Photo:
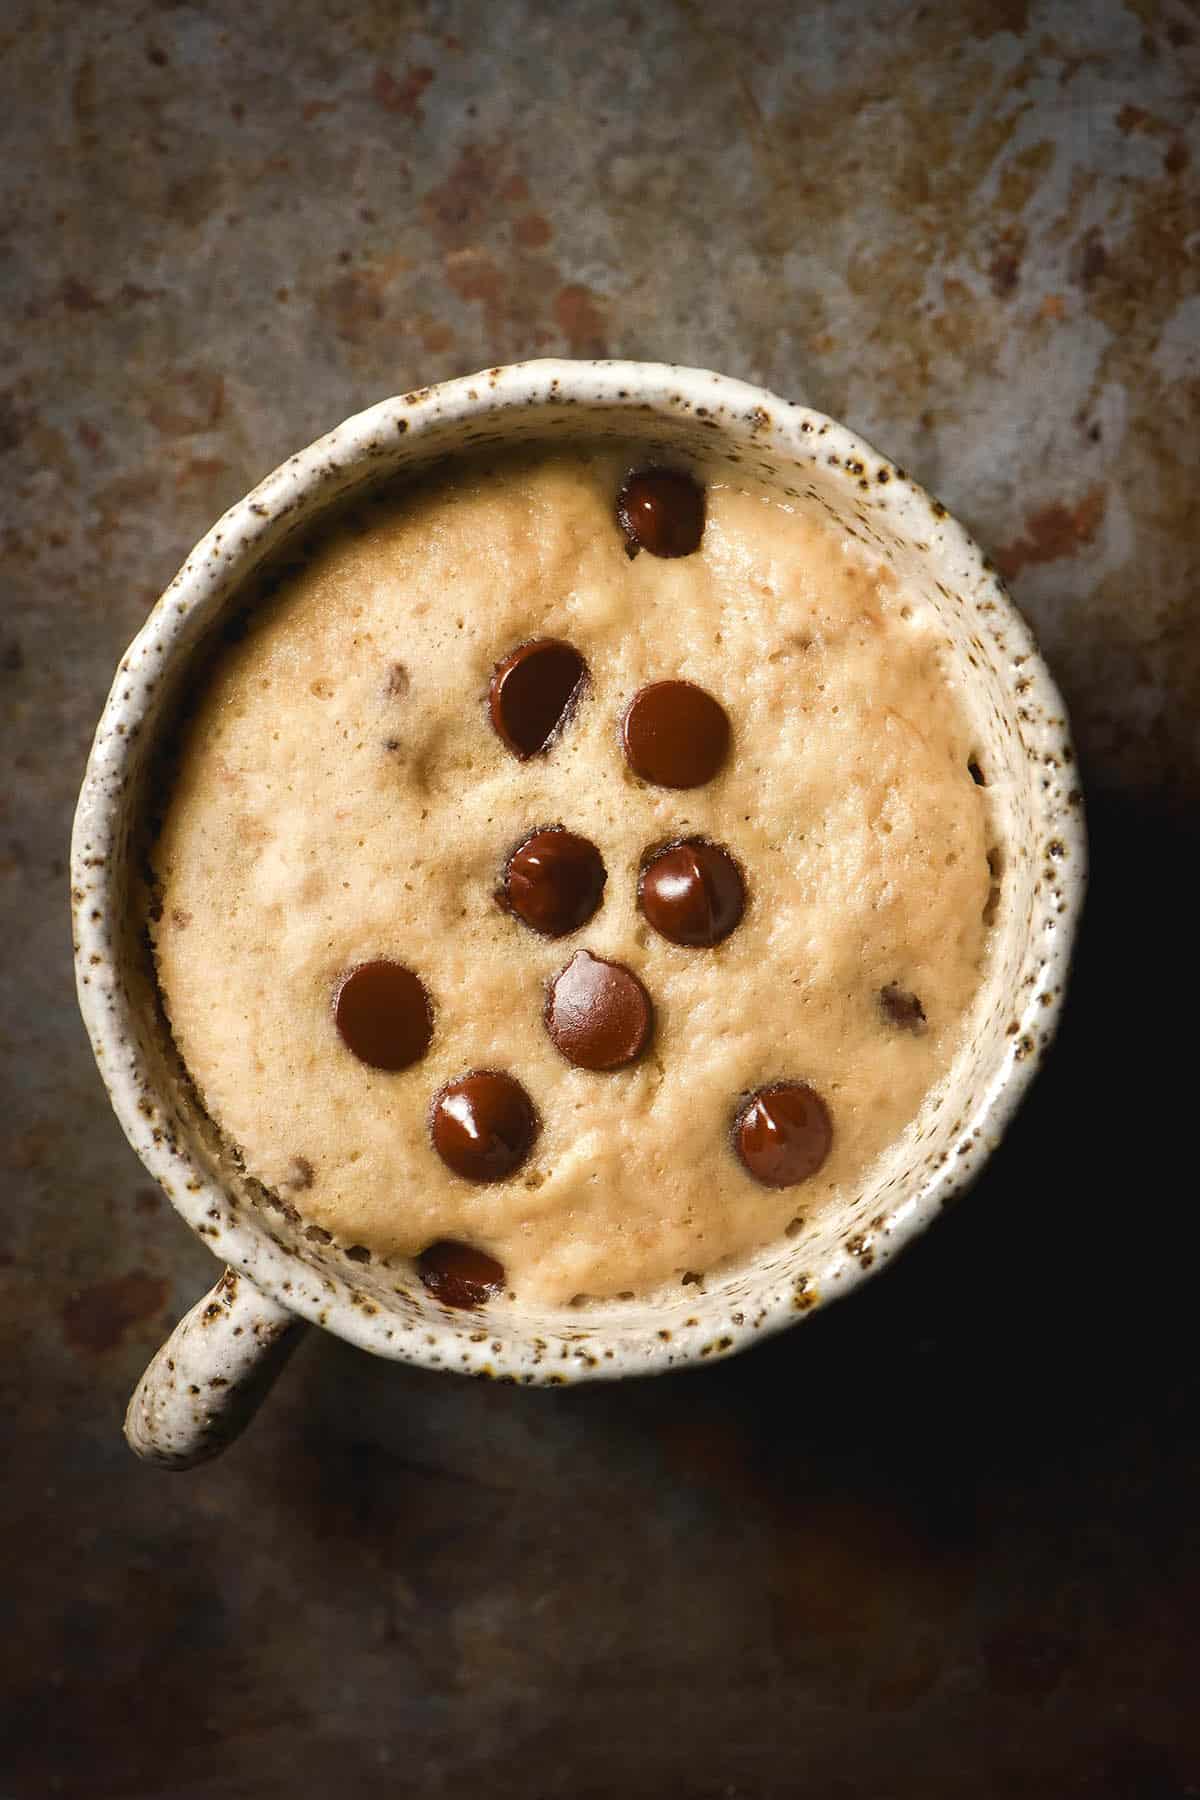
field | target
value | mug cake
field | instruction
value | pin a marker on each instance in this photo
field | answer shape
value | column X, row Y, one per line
column 574, row 876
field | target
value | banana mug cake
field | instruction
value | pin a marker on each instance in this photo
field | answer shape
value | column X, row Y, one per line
column 574, row 877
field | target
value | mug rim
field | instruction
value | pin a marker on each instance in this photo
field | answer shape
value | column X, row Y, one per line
column 317, row 478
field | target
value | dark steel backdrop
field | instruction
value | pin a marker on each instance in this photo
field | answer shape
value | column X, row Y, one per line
column 940, row 1542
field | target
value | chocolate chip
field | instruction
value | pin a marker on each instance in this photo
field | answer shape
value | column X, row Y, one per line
column 483, row 1125
column 902, row 1008
column 553, row 881
column 459, row 1275
column 662, row 511
column 383, row 1014
column 533, row 692
column 783, row 1133
column 675, row 734
column 598, row 1013
column 692, row 893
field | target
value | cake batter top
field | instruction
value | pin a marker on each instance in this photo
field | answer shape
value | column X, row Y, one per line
column 570, row 878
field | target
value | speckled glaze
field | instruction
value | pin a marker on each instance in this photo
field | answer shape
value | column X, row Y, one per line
column 1037, row 826
column 206, row 1381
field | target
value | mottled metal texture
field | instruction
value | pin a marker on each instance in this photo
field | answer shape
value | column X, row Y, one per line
column 906, row 1550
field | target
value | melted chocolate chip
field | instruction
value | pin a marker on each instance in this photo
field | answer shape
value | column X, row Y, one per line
column 553, row 881
column 598, row 1013
column 675, row 734
column 662, row 511
column 533, row 692
column 902, row 1008
column 458, row 1275
column 383, row 1015
column 783, row 1134
column 692, row 893
column 483, row 1125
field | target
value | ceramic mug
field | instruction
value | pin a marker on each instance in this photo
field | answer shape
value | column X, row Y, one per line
column 206, row 1380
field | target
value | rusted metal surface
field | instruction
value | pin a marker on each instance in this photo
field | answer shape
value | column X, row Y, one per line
column 909, row 1550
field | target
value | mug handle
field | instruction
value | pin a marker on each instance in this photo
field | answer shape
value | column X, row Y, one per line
column 211, row 1375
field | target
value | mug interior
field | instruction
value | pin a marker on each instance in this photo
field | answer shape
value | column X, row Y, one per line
column 1022, row 756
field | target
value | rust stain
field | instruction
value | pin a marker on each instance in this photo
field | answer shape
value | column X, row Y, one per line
column 1021, row 174
column 14, row 419
column 120, row 500
column 435, row 337
column 1149, row 273
column 354, row 302
column 532, row 231
column 1148, row 629
column 132, row 293
column 1080, row 188
column 98, row 1318
column 511, row 278
column 784, row 193
column 200, row 468
column 1177, row 157
column 83, row 92
column 401, row 96
column 31, row 1148
column 1004, row 271
column 1053, row 531
column 195, row 403
column 958, row 325
column 193, row 197
column 473, row 275
column 1135, row 118
column 76, row 296
column 49, row 448
column 458, row 209
column 580, row 320
column 312, row 109
column 1091, row 259
column 986, row 18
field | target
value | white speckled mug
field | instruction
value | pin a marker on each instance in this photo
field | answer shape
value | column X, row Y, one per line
column 206, row 1380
